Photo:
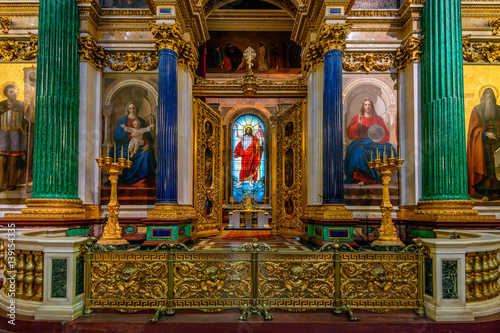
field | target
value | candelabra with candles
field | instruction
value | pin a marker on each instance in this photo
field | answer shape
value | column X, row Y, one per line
column 385, row 167
column 112, row 231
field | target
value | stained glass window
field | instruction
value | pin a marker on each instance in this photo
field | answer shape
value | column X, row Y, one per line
column 248, row 157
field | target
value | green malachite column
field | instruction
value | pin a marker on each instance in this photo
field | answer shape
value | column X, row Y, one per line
column 55, row 169
column 443, row 125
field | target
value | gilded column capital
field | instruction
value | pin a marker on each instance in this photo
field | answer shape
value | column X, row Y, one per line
column 15, row 50
column 168, row 36
column 187, row 58
column 480, row 52
column 91, row 51
column 495, row 23
column 313, row 58
column 5, row 22
column 333, row 36
column 409, row 52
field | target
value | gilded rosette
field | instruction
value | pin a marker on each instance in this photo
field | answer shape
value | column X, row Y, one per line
column 168, row 36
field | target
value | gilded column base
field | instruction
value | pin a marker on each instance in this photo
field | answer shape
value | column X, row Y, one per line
column 50, row 209
column 327, row 212
column 171, row 211
column 449, row 210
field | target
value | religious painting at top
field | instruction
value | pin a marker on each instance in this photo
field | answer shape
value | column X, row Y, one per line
column 130, row 106
column 370, row 123
column 17, row 117
column 248, row 158
column 376, row 4
column 275, row 52
column 119, row 4
column 482, row 122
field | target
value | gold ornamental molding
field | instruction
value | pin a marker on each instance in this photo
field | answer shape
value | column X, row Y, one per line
column 132, row 61
column 495, row 23
column 250, row 85
column 168, row 36
column 171, row 211
column 333, row 36
column 19, row 50
column 368, row 62
column 409, row 52
column 480, row 52
column 328, row 212
column 5, row 22
column 50, row 209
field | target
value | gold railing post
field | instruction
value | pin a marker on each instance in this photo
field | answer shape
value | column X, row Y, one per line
column 170, row 293
column 338, row 301
column 420, row 283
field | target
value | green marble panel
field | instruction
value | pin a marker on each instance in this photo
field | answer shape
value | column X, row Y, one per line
column 429, row 274
column 80, row 275
column 450, row 279
column 59, row 278
column 77, row 232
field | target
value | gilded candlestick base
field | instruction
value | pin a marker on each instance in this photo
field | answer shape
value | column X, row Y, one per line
column 111, row 234
column 387, row 232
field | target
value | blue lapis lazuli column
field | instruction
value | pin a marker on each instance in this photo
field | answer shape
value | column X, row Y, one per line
column 333, row 166
column 166, row 180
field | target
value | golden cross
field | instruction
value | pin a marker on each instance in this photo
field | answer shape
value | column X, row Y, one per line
column 249, row 55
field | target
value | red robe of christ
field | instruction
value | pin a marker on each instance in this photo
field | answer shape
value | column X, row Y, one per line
column 250, row 159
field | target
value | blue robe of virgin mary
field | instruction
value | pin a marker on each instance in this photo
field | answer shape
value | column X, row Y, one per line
column 143, row 164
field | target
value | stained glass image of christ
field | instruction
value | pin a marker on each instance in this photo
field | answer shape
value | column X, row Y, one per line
column 248, row 157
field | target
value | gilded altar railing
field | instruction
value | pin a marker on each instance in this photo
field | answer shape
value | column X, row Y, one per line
column 253, row 278
column 481, row 275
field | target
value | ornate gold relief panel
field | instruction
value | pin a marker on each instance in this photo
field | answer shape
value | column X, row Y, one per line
column 212, row 279
column 208, row 165
column 290, row 163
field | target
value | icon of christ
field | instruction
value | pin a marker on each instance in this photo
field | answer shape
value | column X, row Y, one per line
column 249, row 148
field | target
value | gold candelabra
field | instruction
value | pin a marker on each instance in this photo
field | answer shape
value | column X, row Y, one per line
column 385, row 167
column 112, row 231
